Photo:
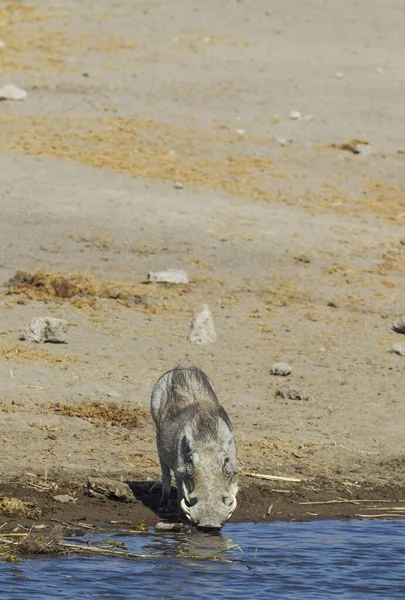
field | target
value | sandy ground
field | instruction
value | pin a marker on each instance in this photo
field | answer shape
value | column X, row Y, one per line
column 296, row 243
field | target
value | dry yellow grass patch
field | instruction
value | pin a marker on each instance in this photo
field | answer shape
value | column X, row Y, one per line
column 22, row 353
column 14, row 507
column 103, row 413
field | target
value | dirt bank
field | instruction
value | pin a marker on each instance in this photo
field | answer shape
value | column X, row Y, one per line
column 161, row 136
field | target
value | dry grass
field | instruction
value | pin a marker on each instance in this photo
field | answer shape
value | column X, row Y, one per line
column 31, row 47
column 83, row 290
column 103, row 413
column 22, row 353
column 14, row 507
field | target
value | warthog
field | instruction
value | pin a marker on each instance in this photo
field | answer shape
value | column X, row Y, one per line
column 195, row 440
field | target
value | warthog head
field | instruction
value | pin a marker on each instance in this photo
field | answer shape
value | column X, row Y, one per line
column 206, row 481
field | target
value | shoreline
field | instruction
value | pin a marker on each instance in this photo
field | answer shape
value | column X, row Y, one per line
column 257, row 503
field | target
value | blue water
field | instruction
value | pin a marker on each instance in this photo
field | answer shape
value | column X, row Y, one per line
column 349, row 560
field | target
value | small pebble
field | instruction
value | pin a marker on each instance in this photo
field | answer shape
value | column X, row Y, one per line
column 339, row 75
column 168, row 276
column 295, row 115
column 379, row 70
column 12, row 92
column 163, row 526
column 65, row 499
column 178, row 185
column 399, row 349
column 2, row 45
column 281, row 368
column 240, row 131
column 399, row 325
column 364, row 149
column 283, row 141
column 293, row 394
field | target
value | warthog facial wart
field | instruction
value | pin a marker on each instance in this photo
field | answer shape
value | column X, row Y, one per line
column 195, row 441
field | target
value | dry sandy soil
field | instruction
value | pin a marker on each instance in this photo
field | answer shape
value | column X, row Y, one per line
column 295, row 242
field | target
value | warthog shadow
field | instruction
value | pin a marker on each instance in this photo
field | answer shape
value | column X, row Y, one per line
column 149, row 493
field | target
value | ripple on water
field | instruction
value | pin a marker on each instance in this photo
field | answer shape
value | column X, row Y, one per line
column 349, row 560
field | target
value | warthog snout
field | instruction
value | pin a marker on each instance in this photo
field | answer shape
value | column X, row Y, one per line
column 207, row 488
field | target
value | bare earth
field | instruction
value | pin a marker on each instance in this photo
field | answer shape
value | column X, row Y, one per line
column 296, row 243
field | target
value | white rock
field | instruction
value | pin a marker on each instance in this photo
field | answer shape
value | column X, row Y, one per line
column 282, row 141
column 46, row 329
column 240, row 131
column 12, row 92
column 399, row 348
column 168, row 276
column 339, row 75
column 65, row 499
column 399, row 325
column 178, row 185
column 364, row 149
column 281, row 368
column 202, row 330
column 295, row 115
column 163, row 526
column 2, row 45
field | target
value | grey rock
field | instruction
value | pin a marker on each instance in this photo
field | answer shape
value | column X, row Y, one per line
column 281, row 368
column 65, row 499
column 163, row 526
column 399, row 325
column 202, row 329
column 102, row 487
column 12, row 92
column 295, row 115
column 46, row 329
column 399, row 348
column 293, row 394
column 178, row 185
column 168, row 276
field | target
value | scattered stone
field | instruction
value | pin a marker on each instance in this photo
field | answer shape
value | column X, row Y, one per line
column 202, row 330
column 293, row 394
column 399, row 325
column 399, row 349
column 65, row 499
column 379, row 70
column 12, row 92
column 178, row 185
column 339, row 75
column 163, row 526
column 295, row 115
column 168, row 276
column 281, row 368
column 2, row 45
column 240, row 131
column 46, row 329
column 283, row 141
column 101, row 487
column 113, row 394
column 356, row 147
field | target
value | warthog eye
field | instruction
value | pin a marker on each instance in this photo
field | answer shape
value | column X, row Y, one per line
column 227, row 468
column 190, row 468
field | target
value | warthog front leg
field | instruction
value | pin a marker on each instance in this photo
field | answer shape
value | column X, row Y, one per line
column 166, row 486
